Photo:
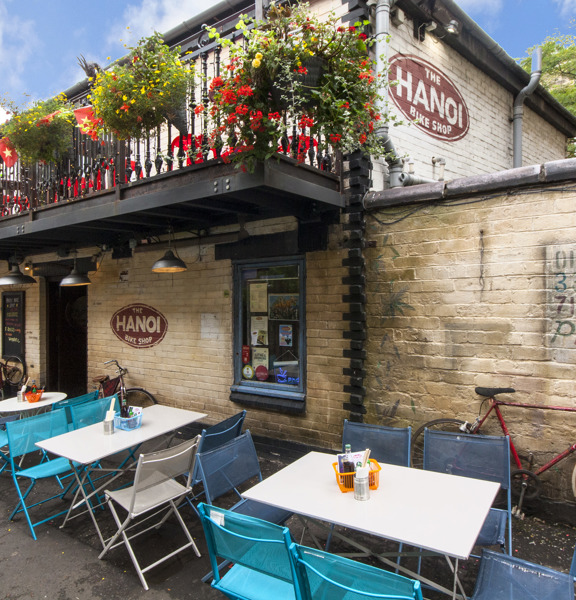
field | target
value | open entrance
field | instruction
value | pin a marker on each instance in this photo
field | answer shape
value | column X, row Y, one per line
column 67, row 339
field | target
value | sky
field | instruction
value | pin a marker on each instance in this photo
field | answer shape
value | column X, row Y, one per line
column 40, row 41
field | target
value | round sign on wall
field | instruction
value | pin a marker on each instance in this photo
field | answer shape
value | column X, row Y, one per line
column 428, row 97
column 139, row 325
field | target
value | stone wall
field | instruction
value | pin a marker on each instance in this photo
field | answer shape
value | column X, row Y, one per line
column 477, row 291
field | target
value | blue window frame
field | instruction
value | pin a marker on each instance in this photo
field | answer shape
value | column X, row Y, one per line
column 270, row 330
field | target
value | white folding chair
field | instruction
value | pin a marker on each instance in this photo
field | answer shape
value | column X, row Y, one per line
column 155, row 491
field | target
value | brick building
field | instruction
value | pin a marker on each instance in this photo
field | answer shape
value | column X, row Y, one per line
column 311, row 297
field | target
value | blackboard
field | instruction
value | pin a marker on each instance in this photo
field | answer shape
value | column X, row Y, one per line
column 13, row 324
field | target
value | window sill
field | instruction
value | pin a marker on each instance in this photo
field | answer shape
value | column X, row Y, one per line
column 273, row 400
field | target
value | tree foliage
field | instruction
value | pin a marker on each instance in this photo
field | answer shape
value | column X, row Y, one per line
column 558, row 72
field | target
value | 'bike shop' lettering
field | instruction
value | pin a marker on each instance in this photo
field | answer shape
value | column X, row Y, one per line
column 139, row 325
column 427, row 96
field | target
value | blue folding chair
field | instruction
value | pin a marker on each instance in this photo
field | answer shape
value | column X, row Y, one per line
column 503, row 577
column 321, row 575
column 390, row 445
column 219, row 434
column 4, row 440
column 88, row 413
column 258, row 551
column 68, row 403
column 484, row 457
column 22, row 437
column 226, row 468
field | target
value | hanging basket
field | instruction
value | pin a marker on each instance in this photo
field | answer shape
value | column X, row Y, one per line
column 304, row 84
column 177, row 118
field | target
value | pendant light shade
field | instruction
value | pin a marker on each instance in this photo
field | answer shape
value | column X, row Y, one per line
column 169, row 263
column 16, row 277
column 75, row 278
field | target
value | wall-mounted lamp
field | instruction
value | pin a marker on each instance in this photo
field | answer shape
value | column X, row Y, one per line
column 75, row 278
column 453, row 27
column 16, row 277
column 170, row 262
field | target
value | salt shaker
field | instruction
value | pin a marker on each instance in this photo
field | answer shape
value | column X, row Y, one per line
column 361, row 484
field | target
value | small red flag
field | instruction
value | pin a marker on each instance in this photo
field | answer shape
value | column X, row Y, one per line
column 47, row 119
column 8, row 152
column 87, row 121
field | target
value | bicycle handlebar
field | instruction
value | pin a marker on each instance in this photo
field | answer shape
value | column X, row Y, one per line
column 121, row 370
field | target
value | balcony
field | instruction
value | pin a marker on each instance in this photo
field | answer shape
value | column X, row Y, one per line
column 107, row 192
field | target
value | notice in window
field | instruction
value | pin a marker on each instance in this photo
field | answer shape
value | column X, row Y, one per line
column 259, row 298
column 259, row 331
column 260, row 357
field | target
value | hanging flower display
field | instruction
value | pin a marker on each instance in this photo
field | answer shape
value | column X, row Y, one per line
column 316, row 72
column 140, row 92
column 41, row 132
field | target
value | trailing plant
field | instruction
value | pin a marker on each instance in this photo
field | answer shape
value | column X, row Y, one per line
column 140, row 92
column 267, row 78
column 42, row 131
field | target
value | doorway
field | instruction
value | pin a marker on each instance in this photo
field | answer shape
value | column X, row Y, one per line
column 67, row 359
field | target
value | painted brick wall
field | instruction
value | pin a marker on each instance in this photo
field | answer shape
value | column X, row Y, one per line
column 471, row 293
column 487, row 147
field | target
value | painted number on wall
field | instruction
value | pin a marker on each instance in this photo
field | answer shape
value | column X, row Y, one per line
column 561, row 294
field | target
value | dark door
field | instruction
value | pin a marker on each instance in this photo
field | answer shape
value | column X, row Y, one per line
column 67, row 339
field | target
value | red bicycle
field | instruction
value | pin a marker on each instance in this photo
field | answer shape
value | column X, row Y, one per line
column 525, row 480
column 132, row 396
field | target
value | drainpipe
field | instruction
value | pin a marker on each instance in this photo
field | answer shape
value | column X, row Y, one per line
column 518, row 114
column 382, row 22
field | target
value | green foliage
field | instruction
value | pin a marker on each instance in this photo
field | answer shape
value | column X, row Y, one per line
column 558, row 71
column 267, row 76
column 41, row 131
column 139, row 94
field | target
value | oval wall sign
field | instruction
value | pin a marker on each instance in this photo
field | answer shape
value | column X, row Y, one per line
column 424, row 93
column 139, row 325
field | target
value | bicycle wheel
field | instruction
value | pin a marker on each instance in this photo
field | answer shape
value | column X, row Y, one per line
column 417, row 443
column 15, row 370
column 518, row 477
column 139, row 397
column 574, row 481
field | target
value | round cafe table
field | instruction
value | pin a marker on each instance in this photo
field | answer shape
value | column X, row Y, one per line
column 11, row 405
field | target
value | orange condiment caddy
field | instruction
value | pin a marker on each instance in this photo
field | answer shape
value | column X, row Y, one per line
column 345, row 481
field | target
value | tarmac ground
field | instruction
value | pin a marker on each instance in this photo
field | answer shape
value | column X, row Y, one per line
column 63, row 563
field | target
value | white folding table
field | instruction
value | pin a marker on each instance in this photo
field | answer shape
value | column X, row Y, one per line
column 11, row 405
column 88, row 445
column 434, row 511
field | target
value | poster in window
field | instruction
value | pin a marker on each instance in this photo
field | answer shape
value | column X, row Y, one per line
column 258, row 298
column 283, row 307
column 260, row 357
column 259, row 331
column 285, row 335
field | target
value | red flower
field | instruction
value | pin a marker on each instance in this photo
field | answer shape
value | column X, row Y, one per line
column 363, row 36
column 362, row 138
column 216, row 83
column 228, row 97
column 335, row 138
column 345, row 105
column 198, row 109
column 232, row 119
column 275, row 116
column 366, row 75
column 125, row 107
column 245, row 90
column 351, row 29
column 242, row 109
column 306, row 122
column 302, row 70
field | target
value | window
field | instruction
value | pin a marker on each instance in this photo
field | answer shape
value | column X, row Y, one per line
column 270, row 332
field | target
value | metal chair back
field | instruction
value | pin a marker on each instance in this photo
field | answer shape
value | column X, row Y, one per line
column 390, row 445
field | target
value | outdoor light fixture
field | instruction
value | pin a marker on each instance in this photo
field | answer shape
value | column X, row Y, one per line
column 16, row 277
column 75, row 278
column 453, row 27
column 170, row 262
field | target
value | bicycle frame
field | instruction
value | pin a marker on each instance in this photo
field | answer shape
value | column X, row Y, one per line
column 495, row 405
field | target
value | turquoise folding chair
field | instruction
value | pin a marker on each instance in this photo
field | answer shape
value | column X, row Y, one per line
column 88, row 413
column 503, row 577
column 22, row 437
column 4, row 441
column 258, row 551
column 321, row 575
column 68, row 403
